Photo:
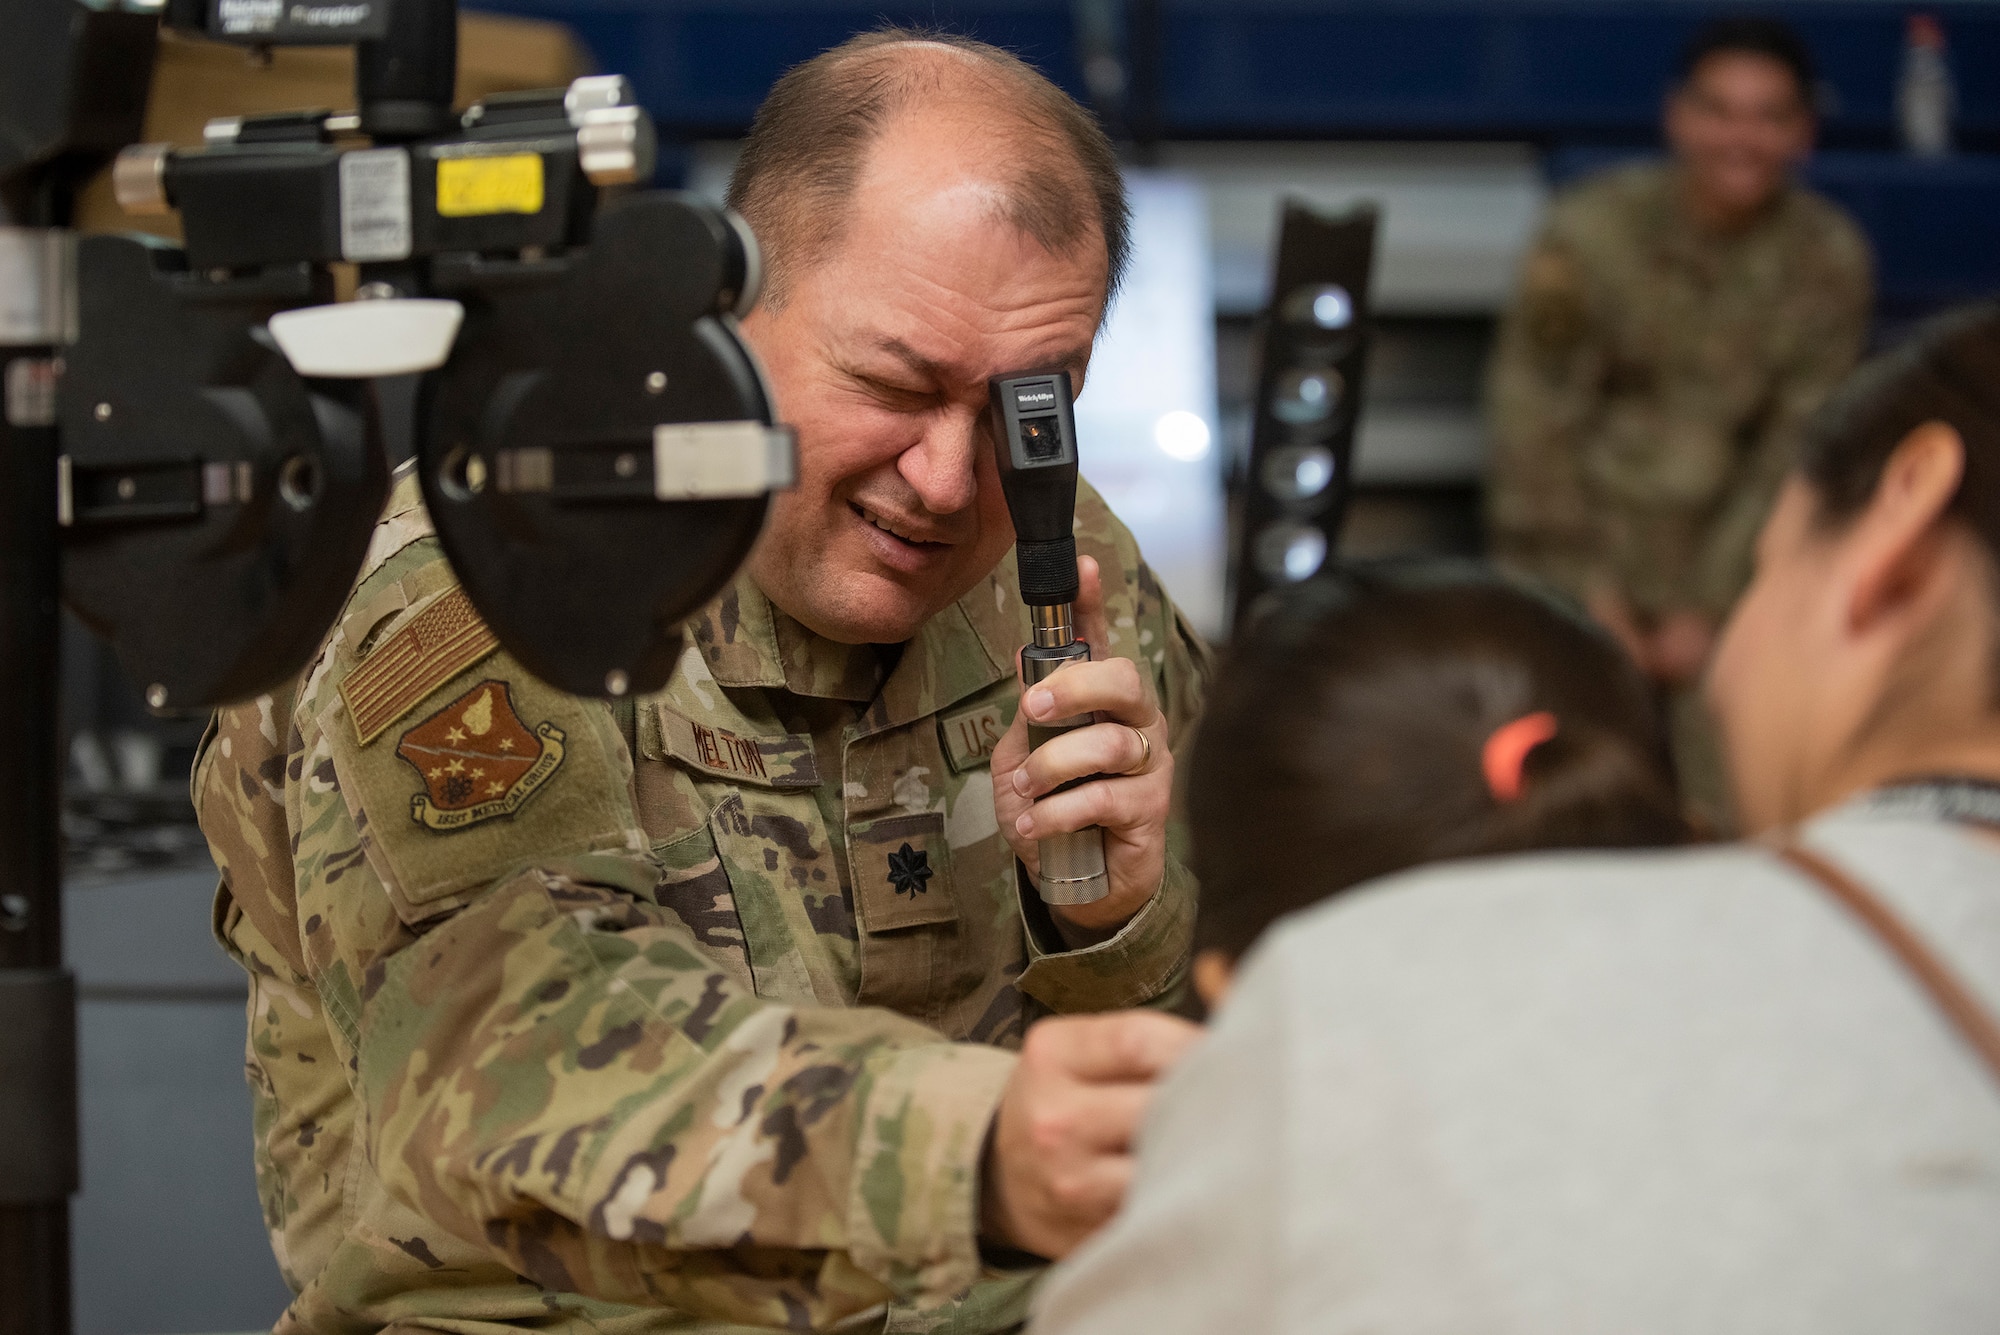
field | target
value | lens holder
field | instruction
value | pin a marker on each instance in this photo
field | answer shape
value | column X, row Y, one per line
column 597, row 454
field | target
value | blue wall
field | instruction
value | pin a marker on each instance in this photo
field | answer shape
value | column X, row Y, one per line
column 1580, row 77
column 1550, row 71
column 702, row 68
column 1589, row 69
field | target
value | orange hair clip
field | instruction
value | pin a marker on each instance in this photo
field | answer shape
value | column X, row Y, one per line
column 1506, row 751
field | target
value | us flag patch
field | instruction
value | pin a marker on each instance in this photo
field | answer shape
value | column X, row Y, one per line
column 442, row 641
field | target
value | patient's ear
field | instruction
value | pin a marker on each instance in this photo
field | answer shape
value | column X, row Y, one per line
column 1214, row 970
column 1895, row 547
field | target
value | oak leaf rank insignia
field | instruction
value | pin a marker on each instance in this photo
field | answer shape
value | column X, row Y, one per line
column 478, row 760
column 910, row 870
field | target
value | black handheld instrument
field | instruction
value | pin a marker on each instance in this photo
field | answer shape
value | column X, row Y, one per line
column 1034, row 437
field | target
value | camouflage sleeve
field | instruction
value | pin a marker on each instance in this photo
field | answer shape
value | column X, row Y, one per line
column 1146, row 961
column 300, row 1122
column 548, row 1065
column 1835, row 297
column 1542, row 392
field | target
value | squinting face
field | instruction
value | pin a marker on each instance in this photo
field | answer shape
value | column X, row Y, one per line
column 879, row 356
column 1738, row 127
column 1766, row 685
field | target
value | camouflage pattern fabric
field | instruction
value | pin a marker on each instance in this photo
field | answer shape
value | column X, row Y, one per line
column 683, row 1016
column 1650, row 381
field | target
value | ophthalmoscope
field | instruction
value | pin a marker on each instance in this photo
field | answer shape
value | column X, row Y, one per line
column 1034, row 437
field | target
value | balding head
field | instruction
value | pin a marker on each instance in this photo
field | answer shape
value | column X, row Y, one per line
column 1049, row 169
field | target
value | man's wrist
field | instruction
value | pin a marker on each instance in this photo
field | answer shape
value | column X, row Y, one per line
column 992, row 1216
column 997, row 1246
column 1066, row 927
column 1137, row 964
column 1083, row 935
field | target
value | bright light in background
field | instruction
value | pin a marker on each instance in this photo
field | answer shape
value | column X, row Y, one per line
column 1288, row 552
column 1146, row 420
column 1333, row 308
column 1297, row 472
column 1182, row 434
column 1304, row 555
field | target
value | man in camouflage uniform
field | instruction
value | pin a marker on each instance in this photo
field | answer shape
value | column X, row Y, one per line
column 703, row 1012
column 1676, row 323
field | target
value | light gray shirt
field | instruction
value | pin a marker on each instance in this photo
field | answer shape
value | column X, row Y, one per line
column 1581, row 1093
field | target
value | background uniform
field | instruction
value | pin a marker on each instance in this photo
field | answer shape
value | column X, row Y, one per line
column 1646, row 396
column 1650, row 382
column 698, row 1006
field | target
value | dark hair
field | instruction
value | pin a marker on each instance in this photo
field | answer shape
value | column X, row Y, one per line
column 1755, row 35
column 1343, row 738
column 810, row 138
column 1947, row 371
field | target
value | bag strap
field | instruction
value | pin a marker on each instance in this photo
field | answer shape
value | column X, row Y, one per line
column 1973, row 1021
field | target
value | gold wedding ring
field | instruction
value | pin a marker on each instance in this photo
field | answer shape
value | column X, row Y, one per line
column 1145, row 761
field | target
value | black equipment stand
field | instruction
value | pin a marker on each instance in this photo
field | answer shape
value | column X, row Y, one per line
column 65, row 117
column 73, row 125
column 1290, row 499
column 635, row 449
column 38, row 1134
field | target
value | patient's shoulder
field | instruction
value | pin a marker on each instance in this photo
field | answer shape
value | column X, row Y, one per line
column 1542, row 913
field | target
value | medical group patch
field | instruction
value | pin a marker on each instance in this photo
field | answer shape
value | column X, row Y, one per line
column 478, row 759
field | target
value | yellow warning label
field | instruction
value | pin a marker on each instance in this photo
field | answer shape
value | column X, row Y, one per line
column 471, row 187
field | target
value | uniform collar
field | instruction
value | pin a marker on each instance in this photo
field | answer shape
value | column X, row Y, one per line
column 747, row 642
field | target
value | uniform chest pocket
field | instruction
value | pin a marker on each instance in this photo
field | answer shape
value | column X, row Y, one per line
column 797, row 927
column 907, row 905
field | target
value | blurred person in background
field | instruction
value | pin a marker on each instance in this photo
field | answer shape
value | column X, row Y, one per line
column 1675, row 324
column 1743, row 1088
